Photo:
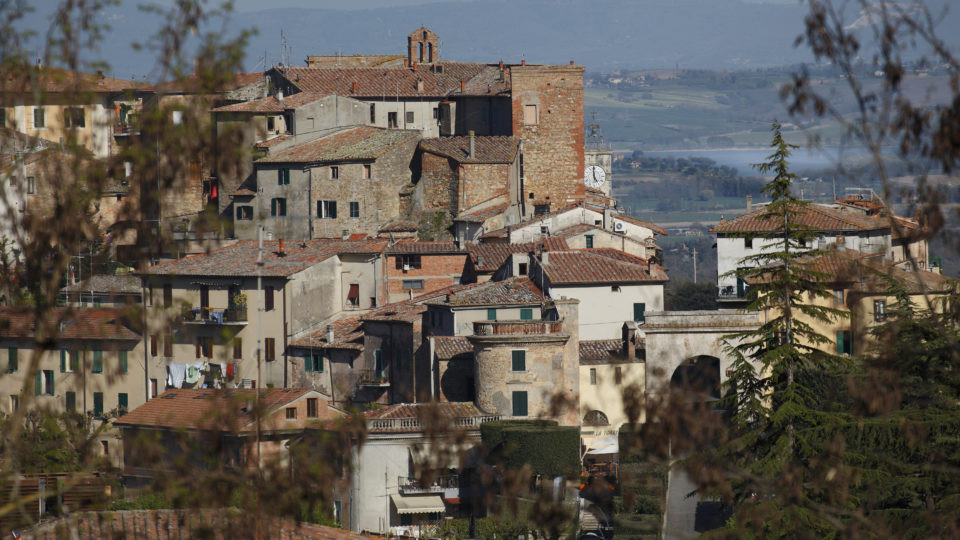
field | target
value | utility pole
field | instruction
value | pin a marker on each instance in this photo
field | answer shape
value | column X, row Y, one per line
column 259, row 345
column 694, row 266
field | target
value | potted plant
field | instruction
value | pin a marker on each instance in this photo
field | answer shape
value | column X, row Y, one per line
column 238, row 307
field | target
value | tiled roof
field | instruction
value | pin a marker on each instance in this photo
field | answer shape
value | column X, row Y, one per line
column 595, row 350
column 511, row 291
column 436, row 82
column 410, row 310
column 864, row 273
column 424, row 248
column 812, row 216
column 212, row 409
column 273, row 141
column 504, row 232
column 106, row 283
column 399, row 226
column 482, row 214
column 447, row 347
column 488, row 257
column 347, row 335
column 349, row 144
column 192, row 84
column 68, row 323
column 419, row 414
column 57, row 80
column 240, row 259
column 487, row 149
column 271, row 104
column 589, row 266
column 244, row 192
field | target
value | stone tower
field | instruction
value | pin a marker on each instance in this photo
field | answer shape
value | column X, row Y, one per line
column 422, row 47
column 598, row 153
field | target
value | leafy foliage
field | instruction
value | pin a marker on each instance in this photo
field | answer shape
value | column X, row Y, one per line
column 549, row 449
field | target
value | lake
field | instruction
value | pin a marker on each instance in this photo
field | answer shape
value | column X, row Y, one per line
column 742, row 159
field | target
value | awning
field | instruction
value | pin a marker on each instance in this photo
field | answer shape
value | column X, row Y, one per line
column 609, row 445
column 422, row 504
column 354, row 293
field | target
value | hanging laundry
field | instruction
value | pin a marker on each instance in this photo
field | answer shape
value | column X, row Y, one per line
column 175, row 374
column 193, row 374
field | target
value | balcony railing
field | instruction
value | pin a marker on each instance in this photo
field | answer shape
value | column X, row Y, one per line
column 125, row 129
column 512, row 328
column 204, row 315
column 730, row 292
column 413, row 423
column 449, row 486
column 374, row 377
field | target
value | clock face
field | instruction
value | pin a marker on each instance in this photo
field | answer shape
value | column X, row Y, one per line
column 594, row 176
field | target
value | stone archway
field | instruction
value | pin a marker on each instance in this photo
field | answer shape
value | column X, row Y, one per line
column 698, row 375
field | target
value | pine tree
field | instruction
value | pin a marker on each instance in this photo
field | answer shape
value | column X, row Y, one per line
column 772, row 411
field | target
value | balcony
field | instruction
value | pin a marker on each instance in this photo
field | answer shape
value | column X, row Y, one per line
column 413, row 423
column 125, row 129
column 513, row 328
column 447, row 486
column 729, row 293
column 205, row 315
column 377, row 378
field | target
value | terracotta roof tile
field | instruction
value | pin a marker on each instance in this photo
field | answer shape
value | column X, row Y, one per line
column 488, row 257
column 399, row 226
column 349, row 144
column 271, row 104
column 106, row 283
column 814, row 217
column 213, row 409
column 239, row 259
column 68, row 323
column 424, row 248
column 482, row 214
column 503, row 232
column 347, row 335
column 595, row 350
column 487, row 149
column 273, row 141
column 511, row 291
column 192, row 84
column 448, row 347
column 373, row 82
column 57, row 80
column 587, row 266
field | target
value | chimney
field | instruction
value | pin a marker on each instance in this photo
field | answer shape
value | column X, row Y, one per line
column 749, row 203
column 100, row 74
column 354, row 87
column 523, row 62
column 472, row 144
column 629, row 333
column 329, row 333
column 280, row 251
column 463, row 85
column 544, row 258
column 607, row 219
column 571, row 62
column 419, row 85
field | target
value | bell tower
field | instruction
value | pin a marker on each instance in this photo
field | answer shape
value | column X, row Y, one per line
column 422, row 47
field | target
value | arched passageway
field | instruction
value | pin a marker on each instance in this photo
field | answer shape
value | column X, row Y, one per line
column 699, row 375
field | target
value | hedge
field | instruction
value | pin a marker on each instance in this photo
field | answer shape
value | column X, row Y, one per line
column 549, row 449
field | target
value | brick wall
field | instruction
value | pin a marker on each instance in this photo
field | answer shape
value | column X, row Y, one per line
column 436, row 272
column 553, row 140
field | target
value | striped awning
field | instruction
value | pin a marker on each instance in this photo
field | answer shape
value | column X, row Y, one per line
column 421, row 504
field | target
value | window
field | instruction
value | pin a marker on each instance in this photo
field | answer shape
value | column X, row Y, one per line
column 238, row 348
column 526, row 314
column 98, row 404
column 436, row 113
column 518, row 360
column 38, row 118
column 283, row 177
column 312, row 407
column 530, row 115
column 153, row 388
column 122, row 402
column 589, row 239
column 378, row 363
column 122, row 358
column 74, row 117
column 97, row 362
column 522, row 269
column 270, row 350
column 409, row 117
column 748, row 243
column 167, row 295
column 271, row 123
column 373, row 113
column 838, row 297
column 392, row 119
column 177, row 117
column 204, row 347
column 71, row 401
column 168, row 345
column 408, row 262
column 327, row 209
column 48, row 382
column 268, row 299
column 491, row 314
column 353, row 295
column 313, row 363
column 3, row 118
column 354, row 209
column 614, row 288
column 844, row 342
column 879, row 310
column 291, row 413
column 334, row 172
column 244, row 213
column 618, row 375
column 153, row 345
column 13, row 361
column 519, row 404
column 412, row 284
column 204, row 296
column 367, row 171
column 31, row 185
column 639, row 310
column 593, row 376
column 278, row 207
column 66, row 362
column 14, row 402
column 105, row 446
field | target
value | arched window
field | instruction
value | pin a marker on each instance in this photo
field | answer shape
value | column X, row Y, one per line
column 595, row 418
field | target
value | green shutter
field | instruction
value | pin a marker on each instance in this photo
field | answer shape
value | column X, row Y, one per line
column 49, row 376
column 840, row 346
column 526, row 314
column 308, row 364
column 122, row 401
column 492, row 314
column 519, row 360
column 318, row 363
column 71, row 401
column 123, row 361
column 38, row 384
column 639, row 310
column 12, row 363
column 63, row 361
column 98, row 361
column 378, row 362
column 519, row 404
column 98, row 404
column 75, row 361
column 589, row 239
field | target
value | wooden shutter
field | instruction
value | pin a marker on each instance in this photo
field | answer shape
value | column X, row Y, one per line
column 98, row 361
column 122, row 356
column 519, row 404
column 268, row 299
column 519, row 360
column 38, row 384
column 269, row 353
column 63, row 361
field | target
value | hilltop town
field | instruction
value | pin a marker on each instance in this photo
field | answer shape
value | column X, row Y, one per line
column 398, row 240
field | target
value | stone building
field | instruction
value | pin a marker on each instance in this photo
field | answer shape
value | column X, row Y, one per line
column 414, row 268
column 348, row 182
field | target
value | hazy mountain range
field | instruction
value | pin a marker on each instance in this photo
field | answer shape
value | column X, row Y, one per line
column 602, row 35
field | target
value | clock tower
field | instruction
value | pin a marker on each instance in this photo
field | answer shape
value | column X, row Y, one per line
column 597, row 160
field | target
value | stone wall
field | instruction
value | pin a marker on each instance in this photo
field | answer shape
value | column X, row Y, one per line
column 436, row 272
